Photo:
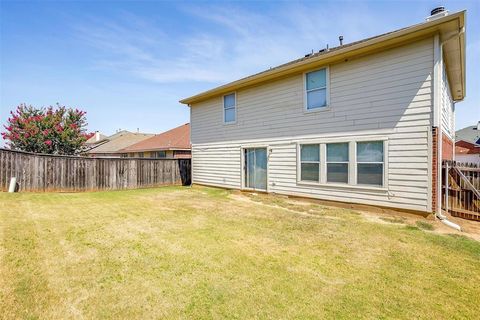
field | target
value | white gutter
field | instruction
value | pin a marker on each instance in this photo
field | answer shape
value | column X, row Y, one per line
column 451, row 224
column 437, row 58
column 437, row 122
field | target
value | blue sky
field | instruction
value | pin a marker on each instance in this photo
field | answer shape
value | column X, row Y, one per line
column 127, row 63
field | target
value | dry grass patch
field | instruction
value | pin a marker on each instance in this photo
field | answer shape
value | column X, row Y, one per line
column 208, row 253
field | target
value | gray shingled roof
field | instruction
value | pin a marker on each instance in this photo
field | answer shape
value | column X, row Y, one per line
column 470, row 134
column 93, row 141
column 119, row 141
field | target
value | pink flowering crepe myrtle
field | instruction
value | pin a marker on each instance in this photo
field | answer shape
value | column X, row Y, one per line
column 51, row 130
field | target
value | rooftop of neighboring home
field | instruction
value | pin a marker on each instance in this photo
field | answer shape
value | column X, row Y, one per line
column 119, row 141
column 96, row 138
column 174, row 139
column 469, row 134
column 463, row 147
column 449, row 27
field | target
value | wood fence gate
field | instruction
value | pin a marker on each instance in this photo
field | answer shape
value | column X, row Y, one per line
column 461, row 189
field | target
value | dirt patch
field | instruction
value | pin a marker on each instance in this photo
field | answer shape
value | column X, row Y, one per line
column 306, row 207
column 243, row 198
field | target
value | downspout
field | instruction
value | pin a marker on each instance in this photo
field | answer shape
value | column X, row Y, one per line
column 437, row 72
column 191, row 148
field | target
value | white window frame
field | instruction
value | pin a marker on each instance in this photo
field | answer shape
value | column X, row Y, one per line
column 242, row 165
column 371, row 162
column 327, row 91
column 234, row 107
column 319, row 162
column 352, row 167
column 348, row 143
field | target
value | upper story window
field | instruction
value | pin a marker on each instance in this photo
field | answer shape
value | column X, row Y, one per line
column 370, row 163
column 229, row 108
column 316, row 89
column 337, row 162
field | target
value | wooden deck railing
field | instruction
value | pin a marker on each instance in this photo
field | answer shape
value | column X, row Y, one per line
column 461, row 190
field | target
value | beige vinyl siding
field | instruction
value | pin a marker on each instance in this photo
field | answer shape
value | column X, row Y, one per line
column 217, row 165
column 387, row 94
column 448, row 107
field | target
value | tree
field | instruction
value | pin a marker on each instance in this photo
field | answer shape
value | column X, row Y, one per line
column 52, row 130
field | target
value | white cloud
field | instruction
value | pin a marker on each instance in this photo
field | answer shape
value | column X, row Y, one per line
column 235, row 43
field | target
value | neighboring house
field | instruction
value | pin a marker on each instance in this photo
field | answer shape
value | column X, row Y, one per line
column 367, row 122
column 95, row 140
column 467, row 145
column 469, row 134
column 466, row 152
column 174, row 143
column 111, row 146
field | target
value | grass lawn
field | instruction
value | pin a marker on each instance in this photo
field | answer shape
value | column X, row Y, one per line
column 207, row 253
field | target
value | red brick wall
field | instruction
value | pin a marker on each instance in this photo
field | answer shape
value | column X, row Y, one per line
column 447, row 148
column 434, row 167
column 447, row 154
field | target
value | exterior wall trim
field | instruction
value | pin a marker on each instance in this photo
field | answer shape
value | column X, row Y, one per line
column 333, row 137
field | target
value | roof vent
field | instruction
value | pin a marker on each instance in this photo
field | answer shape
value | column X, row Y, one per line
column 340, row 38
column 437, row 10
column 437, row 13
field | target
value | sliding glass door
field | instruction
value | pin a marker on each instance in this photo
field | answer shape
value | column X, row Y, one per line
column 255, row 167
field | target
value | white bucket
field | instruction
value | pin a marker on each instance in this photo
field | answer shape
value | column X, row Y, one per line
column 13, row 184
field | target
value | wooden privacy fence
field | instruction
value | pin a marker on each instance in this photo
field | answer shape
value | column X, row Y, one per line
column 41, row 172
column 461, row 189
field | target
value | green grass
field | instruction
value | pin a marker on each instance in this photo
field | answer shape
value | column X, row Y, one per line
column 424, row 225
column 208, row 253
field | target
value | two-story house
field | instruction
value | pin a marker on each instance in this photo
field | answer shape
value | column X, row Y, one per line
column 366, row 122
